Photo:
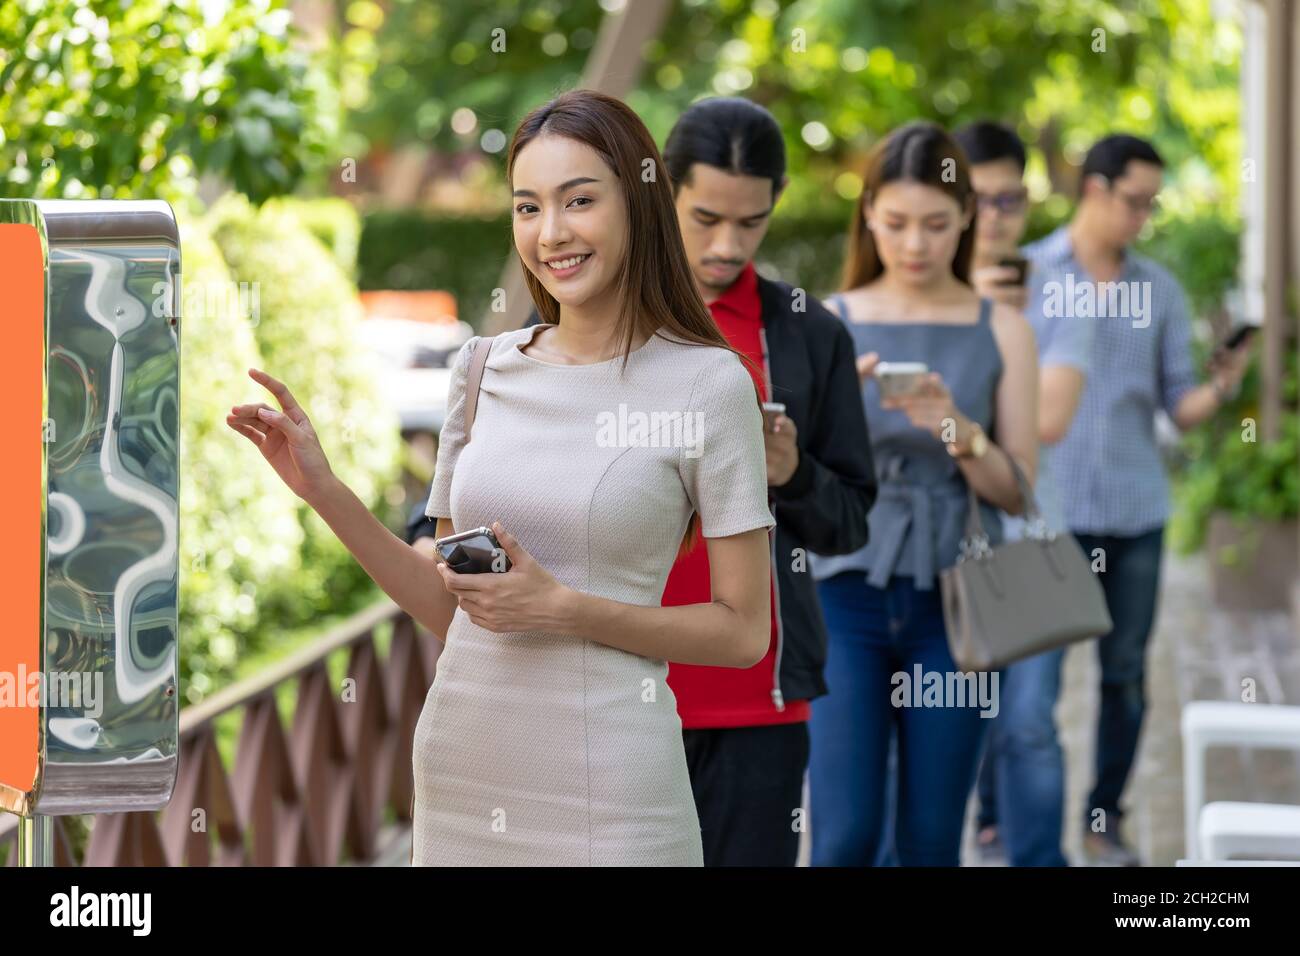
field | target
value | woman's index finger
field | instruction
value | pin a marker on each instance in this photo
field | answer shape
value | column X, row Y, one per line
column 277, row 388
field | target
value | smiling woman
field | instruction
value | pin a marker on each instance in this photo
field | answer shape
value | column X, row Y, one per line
column 550, row 735
column 571, row 742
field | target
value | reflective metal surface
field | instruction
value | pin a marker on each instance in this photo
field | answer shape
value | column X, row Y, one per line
column 110, row 591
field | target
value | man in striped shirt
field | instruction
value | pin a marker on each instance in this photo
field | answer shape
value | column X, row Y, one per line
column 1112, row 485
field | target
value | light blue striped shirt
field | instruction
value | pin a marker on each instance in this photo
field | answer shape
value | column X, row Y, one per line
column 1107, row 470
column 1063, row 341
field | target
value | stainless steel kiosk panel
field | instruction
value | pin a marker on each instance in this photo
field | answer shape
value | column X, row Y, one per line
column 90, row 371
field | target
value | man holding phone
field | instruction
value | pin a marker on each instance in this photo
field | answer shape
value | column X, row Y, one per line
column 1114, row 491
column 746, row 730
column 997, row 159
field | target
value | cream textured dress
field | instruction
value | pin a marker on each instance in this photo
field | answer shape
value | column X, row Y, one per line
column 547, row 749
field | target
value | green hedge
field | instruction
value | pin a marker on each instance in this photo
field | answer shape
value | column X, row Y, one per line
column 240, row 533
column 406, row 249
column 411, row 250
column 1226, row 471
column 465, row 256
column 335, row 223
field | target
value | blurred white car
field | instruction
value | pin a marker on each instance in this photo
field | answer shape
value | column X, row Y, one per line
column 414, row 357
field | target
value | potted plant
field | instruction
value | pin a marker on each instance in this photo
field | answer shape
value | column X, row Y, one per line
column 1239, row 497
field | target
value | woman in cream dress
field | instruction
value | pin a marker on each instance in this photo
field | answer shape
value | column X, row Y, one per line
column 619, row 430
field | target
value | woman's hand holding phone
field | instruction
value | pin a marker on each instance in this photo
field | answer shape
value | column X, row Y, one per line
column 525, row 598
column 780, row 442
column 285, row 438
column 930, row 407
column 867, row 365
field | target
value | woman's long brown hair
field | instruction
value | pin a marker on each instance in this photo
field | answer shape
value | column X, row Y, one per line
column 919, row 152
column 657, row 291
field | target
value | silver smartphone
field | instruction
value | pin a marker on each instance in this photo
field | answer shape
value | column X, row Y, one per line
column 472, row 552
column 770, row 411
column 897, row 379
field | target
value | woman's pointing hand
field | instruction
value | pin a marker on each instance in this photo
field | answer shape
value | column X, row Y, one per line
column 285, row 438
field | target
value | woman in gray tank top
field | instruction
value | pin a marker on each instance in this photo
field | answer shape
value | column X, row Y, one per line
column 906, row 298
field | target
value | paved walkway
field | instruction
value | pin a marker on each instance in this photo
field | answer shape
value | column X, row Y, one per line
column 1197, row 653
column 1202, row 654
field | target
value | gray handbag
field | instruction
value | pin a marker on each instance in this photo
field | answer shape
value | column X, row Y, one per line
column 1021, row 598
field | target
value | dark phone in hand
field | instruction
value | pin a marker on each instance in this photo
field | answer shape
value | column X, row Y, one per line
column 1020, row 264
column 471, row 552
column 1239, row 335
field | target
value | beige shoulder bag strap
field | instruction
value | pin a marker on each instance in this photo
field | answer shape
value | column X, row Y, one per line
column 474, row 379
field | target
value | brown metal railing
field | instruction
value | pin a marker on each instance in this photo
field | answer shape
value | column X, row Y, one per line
column 314, row 795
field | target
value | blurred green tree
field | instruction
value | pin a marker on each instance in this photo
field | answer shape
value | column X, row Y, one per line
column 836, row 73
column 130, row 100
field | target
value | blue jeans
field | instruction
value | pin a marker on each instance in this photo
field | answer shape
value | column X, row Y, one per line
column 876, row 633
column 1132, row 584
column 1022, row 780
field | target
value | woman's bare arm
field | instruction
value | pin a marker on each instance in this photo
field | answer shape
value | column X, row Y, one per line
column 287, row 440
column 1016, row 416
column 406, row 573
column 424, row 546
column 733, row 630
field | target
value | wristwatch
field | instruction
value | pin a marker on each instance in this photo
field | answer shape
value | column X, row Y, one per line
column 979, row 444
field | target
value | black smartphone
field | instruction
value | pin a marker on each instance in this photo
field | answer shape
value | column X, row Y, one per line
column 1239, row 335
column 472, row 552
column 1020, row 264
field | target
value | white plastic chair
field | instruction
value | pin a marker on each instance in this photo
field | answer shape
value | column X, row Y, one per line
column 1208, row 863
column 1251, row 831
column 1208, row 724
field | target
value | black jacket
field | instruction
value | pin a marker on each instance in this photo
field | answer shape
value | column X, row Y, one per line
column 824, row 505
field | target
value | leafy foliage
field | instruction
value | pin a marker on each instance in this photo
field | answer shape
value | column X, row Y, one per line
column 1230, row 471
column 130, row 100
column 306, row 333
column 836, row 73
column 240, row 533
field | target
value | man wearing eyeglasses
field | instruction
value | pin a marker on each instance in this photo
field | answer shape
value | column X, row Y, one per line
column 1112, row 484
column 997, row 166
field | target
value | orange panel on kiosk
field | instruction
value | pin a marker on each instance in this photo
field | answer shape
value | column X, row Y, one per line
column 89, row 510
column 22, row 370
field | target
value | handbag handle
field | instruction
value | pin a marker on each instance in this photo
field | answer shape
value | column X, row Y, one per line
column 975, row 544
